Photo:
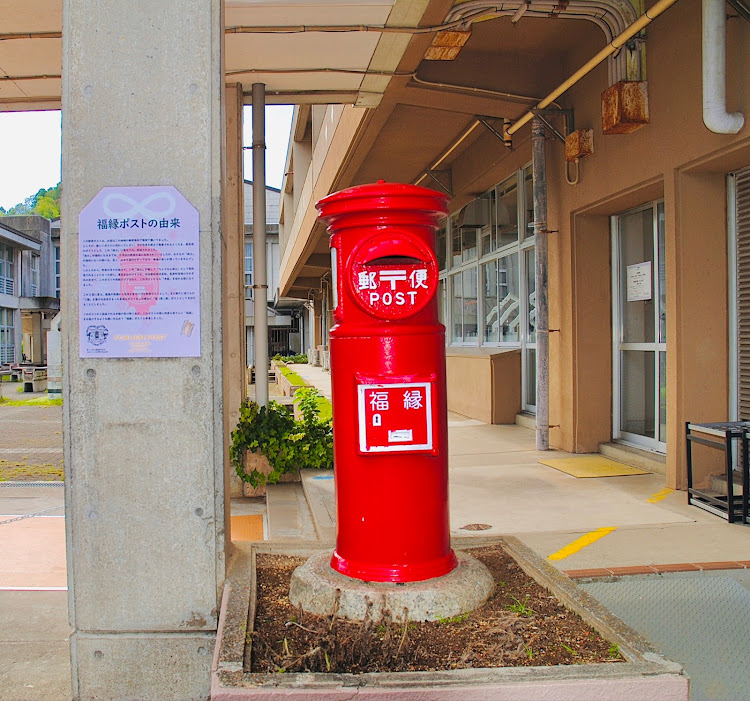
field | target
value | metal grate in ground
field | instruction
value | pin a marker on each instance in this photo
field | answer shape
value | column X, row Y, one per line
column 699, row 619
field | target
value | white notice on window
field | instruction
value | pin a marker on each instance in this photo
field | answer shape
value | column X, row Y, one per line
column 639, row 281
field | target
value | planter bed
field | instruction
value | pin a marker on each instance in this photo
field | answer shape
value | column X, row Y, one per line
column 642, row 673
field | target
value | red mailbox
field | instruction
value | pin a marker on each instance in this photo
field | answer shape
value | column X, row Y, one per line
column 388, row 382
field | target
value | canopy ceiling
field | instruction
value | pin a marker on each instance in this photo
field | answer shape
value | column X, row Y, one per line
column 296, row 66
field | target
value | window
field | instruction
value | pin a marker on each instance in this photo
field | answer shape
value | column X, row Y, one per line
column 440, row 242
column 7, row 285
column 248, row 270
column 502, row 300
column 7, row 337
column 486, row 296
column 507, row 212
column 34, row 275
column 57, row 272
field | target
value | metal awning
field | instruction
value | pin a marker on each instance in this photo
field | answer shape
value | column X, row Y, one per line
column 19, row 239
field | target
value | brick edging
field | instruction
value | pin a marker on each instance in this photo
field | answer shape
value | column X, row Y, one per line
column 657, row 569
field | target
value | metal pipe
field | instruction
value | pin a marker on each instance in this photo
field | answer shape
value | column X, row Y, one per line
column 539, row 169
column 645, row 19
column 715, row 115
column 260, row 278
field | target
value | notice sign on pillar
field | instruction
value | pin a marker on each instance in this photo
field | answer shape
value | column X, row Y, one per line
column 395, row 417
column 139, row 280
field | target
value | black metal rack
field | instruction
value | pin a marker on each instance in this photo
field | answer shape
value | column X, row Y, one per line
column 733, row 507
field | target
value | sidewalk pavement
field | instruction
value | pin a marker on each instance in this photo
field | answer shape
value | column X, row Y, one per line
column 496, row 480
column 34, row 637
column 675, row 573
column 594, row 528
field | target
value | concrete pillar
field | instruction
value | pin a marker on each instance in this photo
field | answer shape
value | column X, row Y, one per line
column 39, row 350
column 54, row 356
column 233, row 262
column 144, row 437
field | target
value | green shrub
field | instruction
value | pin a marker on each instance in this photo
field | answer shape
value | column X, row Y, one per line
column 325, row 408
column 289, row 444
column 292, row 376
column 301, row 358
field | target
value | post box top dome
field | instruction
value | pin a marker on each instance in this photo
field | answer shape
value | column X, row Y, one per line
column 383, row 196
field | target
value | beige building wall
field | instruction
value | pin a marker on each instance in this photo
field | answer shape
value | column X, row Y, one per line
column 674, row 158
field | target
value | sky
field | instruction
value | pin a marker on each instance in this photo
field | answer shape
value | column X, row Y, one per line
column 30, row 145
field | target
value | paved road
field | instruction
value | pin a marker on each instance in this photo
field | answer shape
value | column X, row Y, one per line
column 30, row 436
column 34, row 637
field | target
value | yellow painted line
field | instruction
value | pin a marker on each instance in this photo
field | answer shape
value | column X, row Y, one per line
column 654, row 498
column 581, row 543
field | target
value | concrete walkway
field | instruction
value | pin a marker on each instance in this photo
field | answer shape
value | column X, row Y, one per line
column 495, row 480
column 676, row 574
column 34, row 637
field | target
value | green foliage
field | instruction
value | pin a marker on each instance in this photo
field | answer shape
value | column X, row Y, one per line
column 301, row 358
column 46, row 207
column 521, row 608
column 453, row 619
column 614, row 650
column 45, row 203
column 35, row 401
column 325, row 408
column 292, row 376
column 289, row 445
column 317, row 446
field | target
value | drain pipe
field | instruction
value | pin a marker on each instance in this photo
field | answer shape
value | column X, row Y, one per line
column 260, row 279
column 715, row 115
column 541, row 235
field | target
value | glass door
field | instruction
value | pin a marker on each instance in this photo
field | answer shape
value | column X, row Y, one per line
column 639, row 328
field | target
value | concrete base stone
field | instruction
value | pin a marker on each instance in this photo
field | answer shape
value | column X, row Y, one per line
column 315, row 586
column 149, row 667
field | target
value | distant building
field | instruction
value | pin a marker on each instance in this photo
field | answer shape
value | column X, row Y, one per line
column 29, row 287
column 286, row 332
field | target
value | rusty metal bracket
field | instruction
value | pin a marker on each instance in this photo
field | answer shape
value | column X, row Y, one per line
column 433, row 174
column 485, row 123
column 549, row 112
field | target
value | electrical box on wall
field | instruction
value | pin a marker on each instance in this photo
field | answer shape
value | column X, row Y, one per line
column 625, row 107
column 447, row 44
column 579, row 144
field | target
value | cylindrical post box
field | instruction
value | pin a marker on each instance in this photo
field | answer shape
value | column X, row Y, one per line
column 388, row 383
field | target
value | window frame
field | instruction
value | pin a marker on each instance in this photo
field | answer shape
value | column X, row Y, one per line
column 449, row 271
column 7, row 268
column 7, row 331
column 249, row 270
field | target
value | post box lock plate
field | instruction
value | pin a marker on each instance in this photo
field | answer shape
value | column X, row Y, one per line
column 392, row 275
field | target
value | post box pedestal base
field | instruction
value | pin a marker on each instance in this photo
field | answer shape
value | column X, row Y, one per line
column 404, row 573
column 465, row 588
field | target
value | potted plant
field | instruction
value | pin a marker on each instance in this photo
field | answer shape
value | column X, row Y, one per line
column 269, row 443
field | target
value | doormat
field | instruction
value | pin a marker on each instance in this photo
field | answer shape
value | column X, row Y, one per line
column 247, row 527
column 592, row 466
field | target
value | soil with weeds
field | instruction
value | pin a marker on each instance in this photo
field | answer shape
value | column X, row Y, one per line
column 522, row 624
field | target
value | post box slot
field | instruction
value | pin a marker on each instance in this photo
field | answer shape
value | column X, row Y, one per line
column 395, row 260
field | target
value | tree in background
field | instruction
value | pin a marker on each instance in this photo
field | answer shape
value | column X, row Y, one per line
column 46, row 203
